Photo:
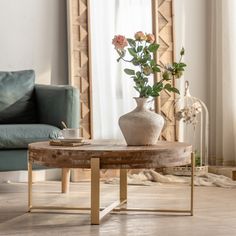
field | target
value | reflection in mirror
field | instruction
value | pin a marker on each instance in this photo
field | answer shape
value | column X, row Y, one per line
column 112, row 89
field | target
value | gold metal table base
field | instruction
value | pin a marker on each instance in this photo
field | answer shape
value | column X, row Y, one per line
column 98, row 213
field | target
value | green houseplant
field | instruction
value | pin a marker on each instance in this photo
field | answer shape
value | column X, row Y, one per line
column 141, row 126
column 141, row 50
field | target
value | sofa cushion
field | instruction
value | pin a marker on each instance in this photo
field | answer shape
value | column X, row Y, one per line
column 19, row 136
column 17, row 100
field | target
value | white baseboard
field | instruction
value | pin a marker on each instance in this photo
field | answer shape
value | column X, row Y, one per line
column 38, row 175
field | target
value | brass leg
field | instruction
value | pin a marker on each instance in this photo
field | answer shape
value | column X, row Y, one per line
column 192, row 180
column 95, row 191
column 123, row 185
column 65, row 182
column 29, row 186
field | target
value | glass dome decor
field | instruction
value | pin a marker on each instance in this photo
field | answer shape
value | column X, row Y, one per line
column 192, row 120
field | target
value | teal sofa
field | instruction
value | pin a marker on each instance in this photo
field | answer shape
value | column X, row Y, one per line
column 31, row 113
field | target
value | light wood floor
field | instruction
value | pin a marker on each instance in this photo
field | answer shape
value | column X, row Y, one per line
column 215, row 211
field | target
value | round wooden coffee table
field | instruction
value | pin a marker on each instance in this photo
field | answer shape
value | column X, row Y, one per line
column 108, row 154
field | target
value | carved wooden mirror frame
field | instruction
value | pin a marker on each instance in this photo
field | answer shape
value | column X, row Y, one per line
column 79, row 57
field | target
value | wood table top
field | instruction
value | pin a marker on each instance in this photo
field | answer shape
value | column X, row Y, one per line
column 113, row 154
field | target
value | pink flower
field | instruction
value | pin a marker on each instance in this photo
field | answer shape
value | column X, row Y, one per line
column 150, row 38
column 140, row 36
column 120, row 42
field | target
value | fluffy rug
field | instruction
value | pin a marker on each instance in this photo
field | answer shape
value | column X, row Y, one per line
column 151, row 177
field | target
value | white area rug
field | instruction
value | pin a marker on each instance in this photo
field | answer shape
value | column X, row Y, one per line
column 151, row 177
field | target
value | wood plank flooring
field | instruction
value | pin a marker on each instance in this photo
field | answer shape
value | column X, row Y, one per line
column 215, row 211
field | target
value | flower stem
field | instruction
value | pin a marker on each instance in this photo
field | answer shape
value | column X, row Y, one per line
column 125, row 60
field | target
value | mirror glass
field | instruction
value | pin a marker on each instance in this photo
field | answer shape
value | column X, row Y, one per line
column 112, row 89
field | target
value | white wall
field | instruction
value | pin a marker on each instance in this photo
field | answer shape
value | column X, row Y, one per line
column 33, row 36
column 191, row 32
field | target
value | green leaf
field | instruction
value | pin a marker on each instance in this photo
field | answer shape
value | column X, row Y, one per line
column 152, row 62
column 140, row 48
column 132, row 52
column 135, row 62
column 149, row 90
column 168, row 87
column 156, row 69
column 155, row 91
column 175, row 90
column 175, row 64
column 155, row 94
column 182, row 64
column 158, row 86
column 131, row 42
column 145, row 91
column 145, row 59
column 153, row 47
column 137, row 89
column 129, row 71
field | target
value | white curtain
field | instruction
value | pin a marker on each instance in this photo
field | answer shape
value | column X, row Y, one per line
column 112, row 89
column 222, row 84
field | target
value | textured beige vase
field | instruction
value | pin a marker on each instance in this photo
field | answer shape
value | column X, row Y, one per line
column 141, row 126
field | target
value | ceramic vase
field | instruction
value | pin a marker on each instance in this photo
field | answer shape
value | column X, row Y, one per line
column 141, row 126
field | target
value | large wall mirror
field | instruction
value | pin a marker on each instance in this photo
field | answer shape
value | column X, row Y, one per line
column 106, row 93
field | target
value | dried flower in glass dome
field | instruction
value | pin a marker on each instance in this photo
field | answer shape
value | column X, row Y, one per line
column 193, row 113
column 189, row 113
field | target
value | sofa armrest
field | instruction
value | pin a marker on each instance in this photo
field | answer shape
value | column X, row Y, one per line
column 56, row 103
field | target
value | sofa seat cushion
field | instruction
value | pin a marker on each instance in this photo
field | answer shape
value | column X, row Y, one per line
column 19, row 136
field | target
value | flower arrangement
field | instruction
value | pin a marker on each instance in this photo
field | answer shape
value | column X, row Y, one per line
column 141, row 50
column 189, row 113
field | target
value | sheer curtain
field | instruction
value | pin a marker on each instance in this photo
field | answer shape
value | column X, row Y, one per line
column 113, row 90
column 222, row 84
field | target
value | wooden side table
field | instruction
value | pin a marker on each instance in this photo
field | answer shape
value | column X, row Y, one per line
column 109, row 154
